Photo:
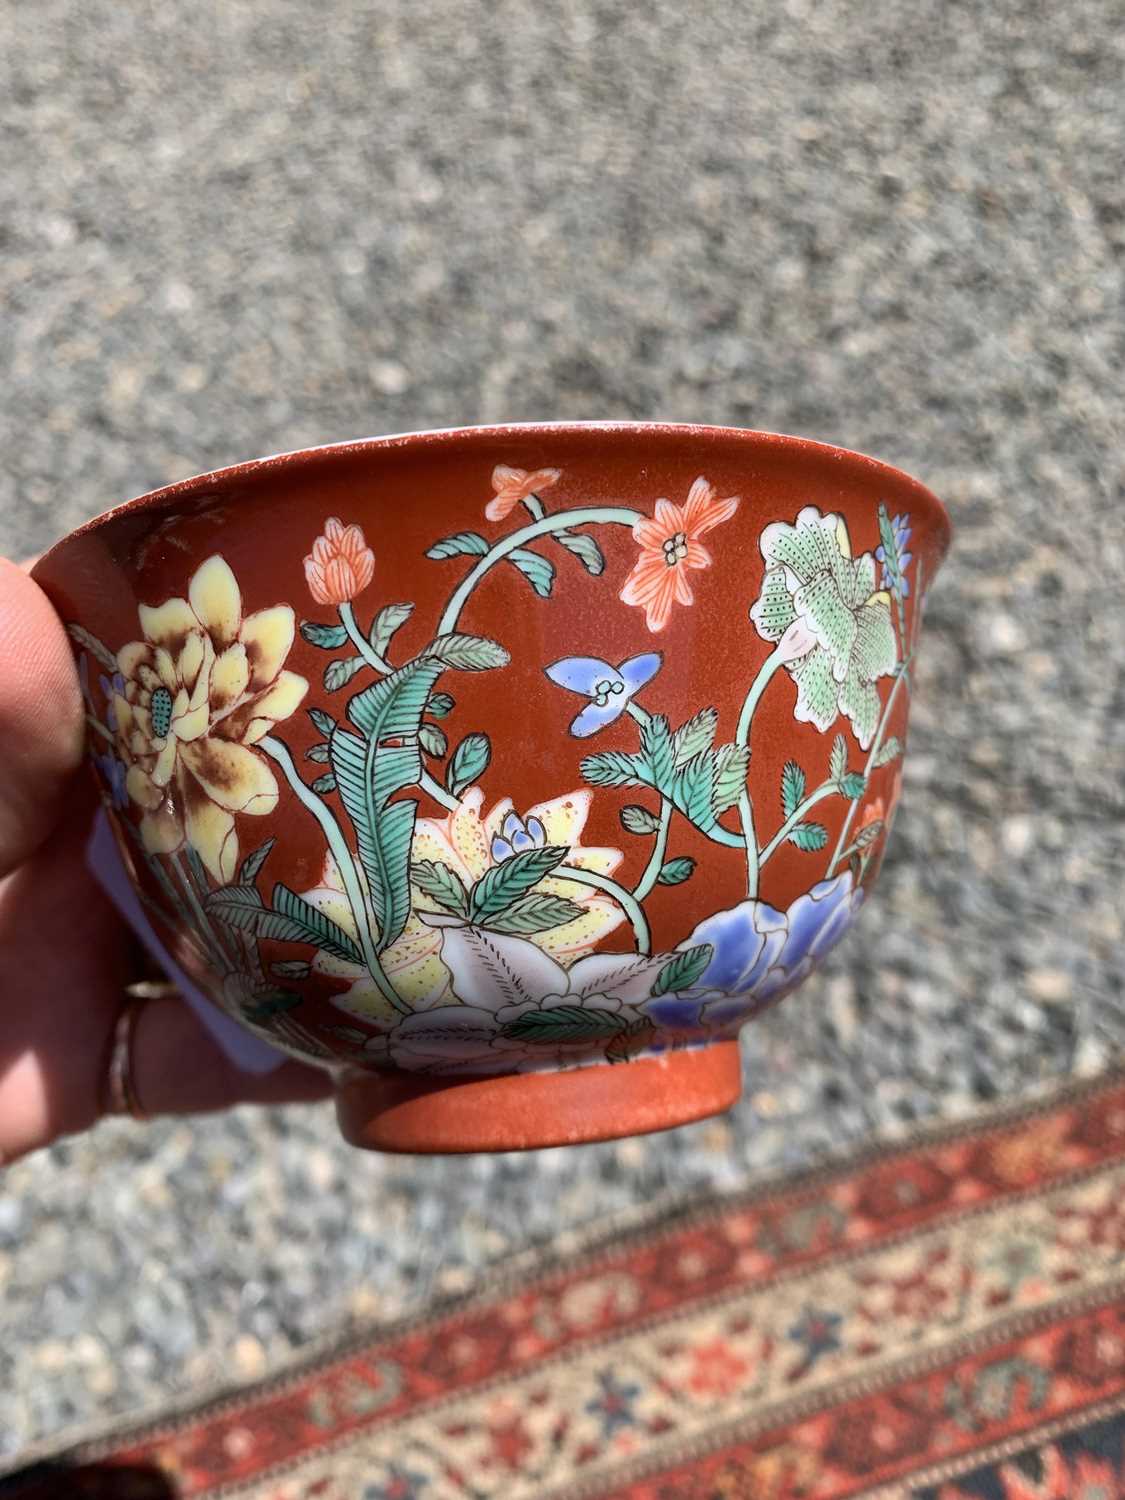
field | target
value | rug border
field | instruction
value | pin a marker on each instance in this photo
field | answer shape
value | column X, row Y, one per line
column 575, row 1250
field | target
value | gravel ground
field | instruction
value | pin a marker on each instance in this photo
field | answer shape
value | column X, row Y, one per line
column 235, row 228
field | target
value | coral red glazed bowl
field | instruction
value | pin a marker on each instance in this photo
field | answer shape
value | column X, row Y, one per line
column 506, row 772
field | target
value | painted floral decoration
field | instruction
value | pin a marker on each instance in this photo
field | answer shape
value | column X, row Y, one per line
column 467, row 844
column 460, row 938
column 526, row 1008
column 760, row 955
column 812, row 577
column 513, row 486
column 670, row 548
column 893, row 555
column 610, row 689
column 200, row 689
column 340, row 565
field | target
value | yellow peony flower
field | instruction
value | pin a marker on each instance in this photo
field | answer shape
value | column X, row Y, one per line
column 463, row 842
column 203, row 686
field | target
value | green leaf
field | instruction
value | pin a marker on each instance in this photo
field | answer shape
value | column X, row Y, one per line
column 196, row 866
column 732, row 762
column 504, row 883
column 338, row 674
column 693, row 790
column 676, row 871
column 614, row 768
column 367, row 775
column 327, row 637
column 441, row 884
column 271, row 1003
column 695, row 736
column 809, row 837
column 681, row 972
column 464, row 544
column 389, row 713
column 326, row 934
column 538, row 571
column 467, row 653
column 868, row 834
column 439, row 705
column 323, row 721
column 638, row 819
column 564, row 1023
column 291, row 920
column 838, row 760
column 325, row 783
column 470, row 760
column 584, row 548
column 252, row 864
column 792, row 787
column 628, row 1043
column 292, row 968
column 852, row 785
column 536, row 912
column 889, row 750
column 317, row 752
column 370, row 768
column 386, row 622
column 102, row 654
column 703, row 789
column 656, row 747
column 432, row 740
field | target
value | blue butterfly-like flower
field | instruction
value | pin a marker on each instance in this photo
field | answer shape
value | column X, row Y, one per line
column 610, row 689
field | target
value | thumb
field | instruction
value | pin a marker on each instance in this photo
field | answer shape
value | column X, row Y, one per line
column 41, row 718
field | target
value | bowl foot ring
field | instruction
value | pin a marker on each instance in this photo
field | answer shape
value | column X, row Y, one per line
column 520, row 1111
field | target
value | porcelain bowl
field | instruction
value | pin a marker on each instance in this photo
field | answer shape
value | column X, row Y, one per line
column 506, row 772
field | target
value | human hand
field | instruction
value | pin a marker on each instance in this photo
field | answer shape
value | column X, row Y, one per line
column 65, row 954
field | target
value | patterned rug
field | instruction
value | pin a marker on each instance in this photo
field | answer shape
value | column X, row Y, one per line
column 941, row 1320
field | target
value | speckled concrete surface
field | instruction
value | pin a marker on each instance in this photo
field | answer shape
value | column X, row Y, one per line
column 231, row 229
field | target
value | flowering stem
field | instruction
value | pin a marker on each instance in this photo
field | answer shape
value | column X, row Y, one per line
column 852, row 848
column 560, row 521
column 361, row 643
column 659, row 849
column 203, row 926
column 824, row 790
column 757, row 688
column 901, row 676
column 99, row 728
column 750, row 839
column 876, row 746
column 278, row 751
column 625, row 899
column 380, row 664
column 717, row 833
column 742, row 737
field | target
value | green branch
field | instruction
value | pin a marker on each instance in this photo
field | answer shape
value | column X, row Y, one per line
column 824, row 790
column 278, row 751
column 625, row 899
column 902, row 675
column 659, row 849
column 560, row 521
column 381, row 665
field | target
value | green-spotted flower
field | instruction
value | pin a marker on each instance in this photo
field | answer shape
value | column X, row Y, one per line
column 815, row 589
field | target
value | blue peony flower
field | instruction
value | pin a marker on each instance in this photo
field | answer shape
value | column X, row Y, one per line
column 516, row 835
column 610, row 689
column 759, row 955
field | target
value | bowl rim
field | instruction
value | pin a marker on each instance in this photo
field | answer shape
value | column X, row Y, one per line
column 186, row 488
